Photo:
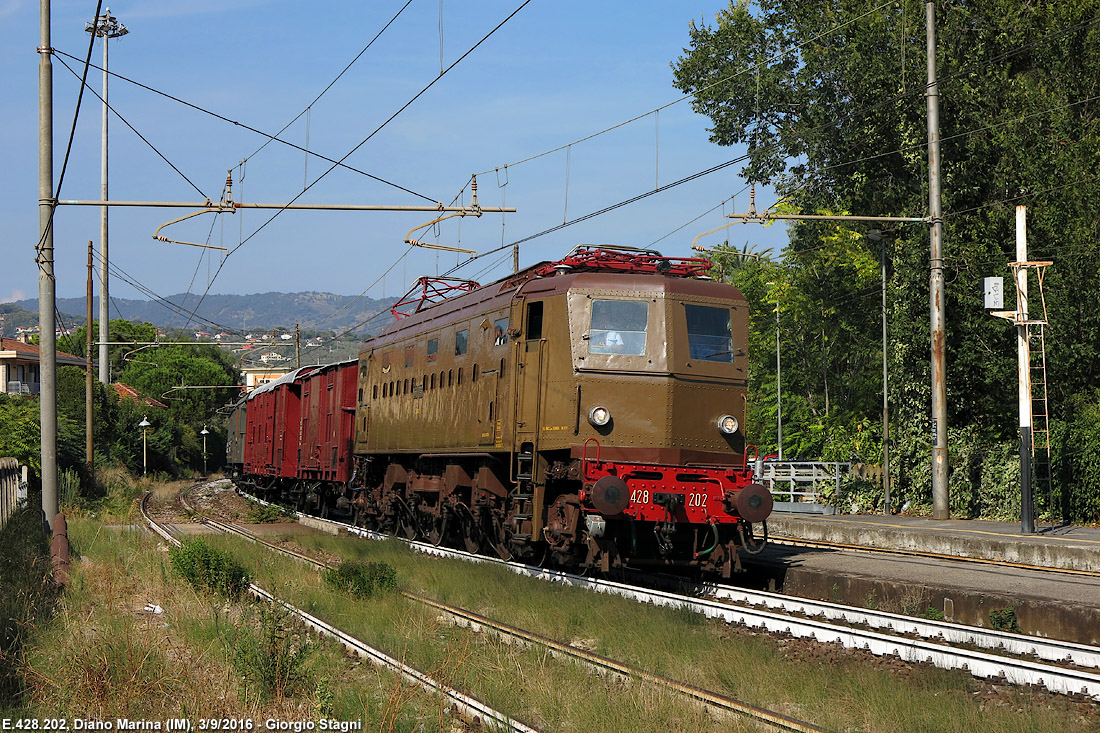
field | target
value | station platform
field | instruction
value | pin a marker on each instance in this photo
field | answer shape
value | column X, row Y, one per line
column 1065, row 547
column 1051, row 583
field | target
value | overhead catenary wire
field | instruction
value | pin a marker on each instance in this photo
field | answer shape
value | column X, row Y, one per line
column 69, row 145
column 363, row 142
column 687, row 97
column 249, row 128
column 140, row 136
column 331, row 84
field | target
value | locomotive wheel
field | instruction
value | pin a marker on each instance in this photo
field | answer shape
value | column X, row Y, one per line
column 407, row 526
column 472, row 536
column 436, row 535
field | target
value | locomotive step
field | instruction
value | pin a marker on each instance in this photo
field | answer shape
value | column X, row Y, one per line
column 520, row 517
column 523, row 477
column 520, row 538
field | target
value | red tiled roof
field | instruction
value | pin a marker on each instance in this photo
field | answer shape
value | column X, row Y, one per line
column 126, row 392
column 30, row 351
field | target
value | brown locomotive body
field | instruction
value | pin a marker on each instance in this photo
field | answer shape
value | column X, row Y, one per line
column 589, row 409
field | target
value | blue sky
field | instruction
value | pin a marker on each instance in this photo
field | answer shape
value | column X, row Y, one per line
column 558, row 71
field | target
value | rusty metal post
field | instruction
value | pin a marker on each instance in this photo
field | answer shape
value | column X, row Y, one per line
column 941, row 505
column 1023, row 353
column 89, row 457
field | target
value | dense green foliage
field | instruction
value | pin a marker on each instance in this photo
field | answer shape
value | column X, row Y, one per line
column 209, row 569
column 361, row 579
column 829, row 99
column 174, row 443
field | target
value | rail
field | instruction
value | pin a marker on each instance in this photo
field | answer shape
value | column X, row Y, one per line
column 785, row 614
column 712, row 701
column 469, row 707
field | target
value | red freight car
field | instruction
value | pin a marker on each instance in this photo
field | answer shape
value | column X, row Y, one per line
column 328, row 422
column 274, row 427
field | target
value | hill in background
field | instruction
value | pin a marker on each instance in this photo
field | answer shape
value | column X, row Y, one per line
column 259, row 312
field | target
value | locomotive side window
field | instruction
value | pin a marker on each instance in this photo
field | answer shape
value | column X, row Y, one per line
column 410, row 356
column 500, row 331
column 461, row 340
column 709, row 335
column 618, row 327
column 433, row 349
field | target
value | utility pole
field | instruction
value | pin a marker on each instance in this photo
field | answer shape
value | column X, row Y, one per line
column 106, row 26
column 89, row 457
column 297, row 347
column 47, row 344
column 1023, row 353
column 940, row 498
column 885, row 397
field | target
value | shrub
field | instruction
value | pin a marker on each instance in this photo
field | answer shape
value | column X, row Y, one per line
column 362, row 579
column 209, row 569
column 265, row 514
column 273, row 658
column 1004, row 619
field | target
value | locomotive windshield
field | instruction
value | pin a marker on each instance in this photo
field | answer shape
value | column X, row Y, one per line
column 618, row 327
column 709, row 335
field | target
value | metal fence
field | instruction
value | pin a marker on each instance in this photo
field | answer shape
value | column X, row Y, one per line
column 799, row 486
column 13, row 487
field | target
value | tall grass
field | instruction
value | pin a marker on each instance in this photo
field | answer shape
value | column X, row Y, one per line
column 110, row 652
column 27, row 594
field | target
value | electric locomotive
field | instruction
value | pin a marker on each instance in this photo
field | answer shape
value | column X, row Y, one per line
column 587, row 411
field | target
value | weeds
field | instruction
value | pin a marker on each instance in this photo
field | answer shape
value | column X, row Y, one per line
column 362, row 579
column 273, row 658
column 208, row 569
column 27, row 592
column 261, row 514
column 1004, row 619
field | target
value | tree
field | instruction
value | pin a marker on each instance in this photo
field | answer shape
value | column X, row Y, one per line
column 161, row 370
column 828, row 98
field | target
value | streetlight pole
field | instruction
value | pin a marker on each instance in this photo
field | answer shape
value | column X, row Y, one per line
column 204, row 433
column 106, row 26
column 144, row 425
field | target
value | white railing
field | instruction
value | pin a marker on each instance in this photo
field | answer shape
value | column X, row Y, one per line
column 798, row 486
column 22, row 388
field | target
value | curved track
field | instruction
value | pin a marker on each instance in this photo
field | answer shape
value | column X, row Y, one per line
column 892, row 633
column 714, row 702
column 469, row 707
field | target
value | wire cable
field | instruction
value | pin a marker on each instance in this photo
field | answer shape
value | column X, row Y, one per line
column 249, row 128
column 134, row 130
column 361, row 143
column 46, row 230
column 331, row 83
column 687, row 97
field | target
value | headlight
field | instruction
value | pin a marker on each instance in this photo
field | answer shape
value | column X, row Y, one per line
column 727, row 424
column 599, row 416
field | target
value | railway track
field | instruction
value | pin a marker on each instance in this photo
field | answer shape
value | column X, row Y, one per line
column 468, row 707
column 1012, row 657
column 713, row 702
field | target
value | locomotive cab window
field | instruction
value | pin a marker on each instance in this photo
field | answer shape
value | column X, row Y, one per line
column 709, row 334
column 433, row 349
column 618, row 327
column 461, row 339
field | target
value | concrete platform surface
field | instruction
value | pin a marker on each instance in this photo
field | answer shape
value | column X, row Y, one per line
column 1068, row 547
